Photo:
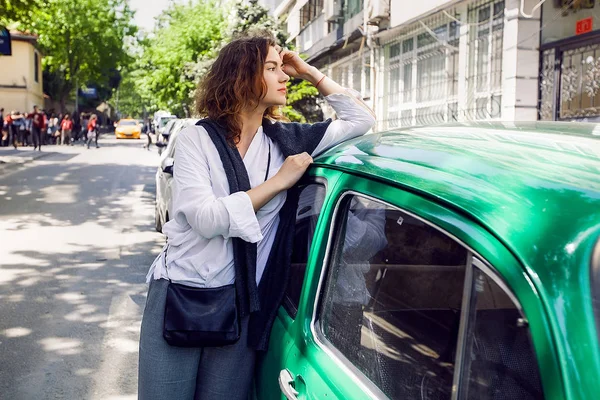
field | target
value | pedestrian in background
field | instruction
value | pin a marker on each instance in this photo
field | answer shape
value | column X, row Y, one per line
column 92, row 130
column 84, row 127
column 21, row 127
column 66, row 127
column 76, row 134
column 146, row 130
column 12, row 128
column 52, row 130
column 3, row 128
column 37, row 128
column 231, row 178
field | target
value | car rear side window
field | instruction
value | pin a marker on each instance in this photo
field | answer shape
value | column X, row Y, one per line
column 392, row 299
column 499, row 361
column 309, row 207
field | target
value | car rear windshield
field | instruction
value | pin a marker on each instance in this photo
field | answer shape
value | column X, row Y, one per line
column 127, row 123
column 165, row 121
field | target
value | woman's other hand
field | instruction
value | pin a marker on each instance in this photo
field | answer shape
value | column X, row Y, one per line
column 292, row 170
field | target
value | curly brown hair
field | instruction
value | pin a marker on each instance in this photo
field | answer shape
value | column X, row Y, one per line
column 234, row 82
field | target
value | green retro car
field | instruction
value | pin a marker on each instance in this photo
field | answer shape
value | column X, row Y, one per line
column 452, row 262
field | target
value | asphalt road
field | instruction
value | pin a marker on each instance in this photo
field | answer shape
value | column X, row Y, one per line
column 76, row 239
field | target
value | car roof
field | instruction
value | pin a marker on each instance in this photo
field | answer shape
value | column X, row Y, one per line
column 535, row 186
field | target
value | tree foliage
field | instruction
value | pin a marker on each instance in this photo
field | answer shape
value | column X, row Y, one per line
column 12, row 11
column 185, row 34
column 184, row 43
column 83, row 41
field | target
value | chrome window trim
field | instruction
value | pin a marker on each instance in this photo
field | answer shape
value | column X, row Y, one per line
column 476, row 260
column 595, row 284
column 487, row 269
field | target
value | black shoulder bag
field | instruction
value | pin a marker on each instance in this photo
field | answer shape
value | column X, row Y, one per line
column 202, row 317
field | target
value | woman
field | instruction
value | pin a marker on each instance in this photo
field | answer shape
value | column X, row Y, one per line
column 211, row 222
column 66, row 127
column 92, row 130
column 85, row 119
column 52, row 129
column 11, row 128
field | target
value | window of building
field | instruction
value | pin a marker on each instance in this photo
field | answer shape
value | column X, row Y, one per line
column 355, row 73
column 423, row 74
column 309, row 208
column 484, row 78
column 311, row 10
column 351, row 8
column 421, row 68
column 36, row 67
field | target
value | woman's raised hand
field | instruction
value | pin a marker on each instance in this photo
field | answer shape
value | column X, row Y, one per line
column 293, row 65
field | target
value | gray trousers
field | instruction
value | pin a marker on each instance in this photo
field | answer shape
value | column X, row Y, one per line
column 178, row 373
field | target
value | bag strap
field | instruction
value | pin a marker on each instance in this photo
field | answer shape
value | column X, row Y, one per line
column 268, row 161
column 165, row 261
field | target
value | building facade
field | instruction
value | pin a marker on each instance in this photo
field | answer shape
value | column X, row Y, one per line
column 21, row 85
column 426, row 62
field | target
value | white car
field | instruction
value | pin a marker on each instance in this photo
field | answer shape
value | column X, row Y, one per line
column 164, row 175
column 162, row 139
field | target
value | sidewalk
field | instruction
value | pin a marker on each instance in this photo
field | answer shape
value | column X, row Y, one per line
column 10, row 155
column 16, row 158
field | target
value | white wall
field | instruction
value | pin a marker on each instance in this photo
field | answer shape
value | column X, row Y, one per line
column 558, row 25
column 403, row 11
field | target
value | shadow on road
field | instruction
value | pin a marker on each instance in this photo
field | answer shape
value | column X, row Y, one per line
column 72, row 285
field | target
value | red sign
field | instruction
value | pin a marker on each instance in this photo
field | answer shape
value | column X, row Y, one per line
column 584, row 26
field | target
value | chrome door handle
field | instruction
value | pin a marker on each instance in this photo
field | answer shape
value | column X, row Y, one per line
column 285, row 384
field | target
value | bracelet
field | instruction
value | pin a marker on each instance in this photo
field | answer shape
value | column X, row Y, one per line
column 320, row 80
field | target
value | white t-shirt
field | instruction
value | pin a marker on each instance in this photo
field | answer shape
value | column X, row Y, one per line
column 206, row 216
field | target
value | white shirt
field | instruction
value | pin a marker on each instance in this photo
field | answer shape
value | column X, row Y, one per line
column 206, row 216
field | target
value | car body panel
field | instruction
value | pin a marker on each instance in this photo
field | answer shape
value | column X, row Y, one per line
column 525, row 197
column 515, row 181
column 128, row 129
column 323, row 376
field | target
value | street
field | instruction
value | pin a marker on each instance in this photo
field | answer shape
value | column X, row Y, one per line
column 77, row 237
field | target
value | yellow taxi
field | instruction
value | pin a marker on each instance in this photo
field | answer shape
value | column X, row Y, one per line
column 128, row 129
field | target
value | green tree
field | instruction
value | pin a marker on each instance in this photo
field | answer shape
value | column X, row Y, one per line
column 132, row 98
column 12, row 11
column 82, row 41
column 185, row 35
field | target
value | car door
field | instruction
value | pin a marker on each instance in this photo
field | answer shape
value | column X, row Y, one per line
column 404, row 298
column 310, row 216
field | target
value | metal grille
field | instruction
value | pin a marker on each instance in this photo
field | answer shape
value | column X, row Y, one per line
column 421, row 74
column 570, row 83
column 421, row 69
column 547, row 87
column 580, row 82
column 484, row 79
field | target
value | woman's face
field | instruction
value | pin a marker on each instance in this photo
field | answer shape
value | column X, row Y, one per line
column 275, row 79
